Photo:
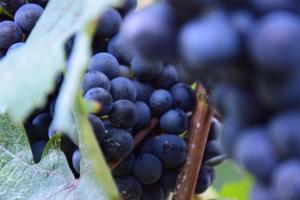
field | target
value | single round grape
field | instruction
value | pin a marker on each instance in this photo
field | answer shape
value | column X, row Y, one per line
column 105, row 63
column 174, row 121
column 27, row 16
column 204, row 180
column 144, row 115
column 129, row 187
column 121, row 49
column 93, row 79
column 272, row 43
column 117, row 144
column 123, row 114
column 145, row 70
column 160, row 101
column 284, row 131
column 98, row 127
column 10, row 33
column 167, row 147
column 147, row 168
column 101, row 96
column 123, row 88
column 262, row 152
column 184, row 97
column 109, row 23
column 286, row 182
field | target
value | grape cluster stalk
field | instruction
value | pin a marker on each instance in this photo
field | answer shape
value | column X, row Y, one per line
column 148, row 124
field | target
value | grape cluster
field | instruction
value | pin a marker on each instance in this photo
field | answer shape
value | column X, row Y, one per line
column 18, row 23
column 133, row 90
column 246, row 53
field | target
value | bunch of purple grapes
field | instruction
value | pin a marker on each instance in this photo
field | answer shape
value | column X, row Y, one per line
column 133, row 90
column 247, row 54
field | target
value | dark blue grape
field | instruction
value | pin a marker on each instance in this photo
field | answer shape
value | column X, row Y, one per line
column 129, row 188
column 121, row 49
column 144, row 91
column 160, row 101
column 98, row 127
column 123, row 88
column 144, row 115
column 109, row 23
column 153, row 192
column 284, row 131
column 208, row 41
column 76, row 160
column 105, row 63
column 151, row 31
column 212, row 150
column 204, row 180
column 15, row 46
column 101, row 96
column 259, row 160
column 286, row 182
column 37, row 150
column 272, row 43
column 93, row 79
column 27, row 16
column 117, row 144
column 40, row 124
column 147, row 168
column 123, row 114
column 168, row 180
column 125, row 167
column 12, row 5
column 167, row 147
column 167, row 78
column 145, row 70
column 184, row 97
column 215, row 129
column 262, row 192
column 10, row 33
column 174, row 121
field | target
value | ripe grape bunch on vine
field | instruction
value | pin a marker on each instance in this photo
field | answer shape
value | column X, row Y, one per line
column 113, row 100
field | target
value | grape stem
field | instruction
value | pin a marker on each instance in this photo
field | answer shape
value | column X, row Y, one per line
column 198, row 134
column 139, row 137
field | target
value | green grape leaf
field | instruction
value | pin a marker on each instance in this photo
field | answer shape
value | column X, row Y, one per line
column 29, row 73
column 232, row 182
column 63, row 120
column 51, row 178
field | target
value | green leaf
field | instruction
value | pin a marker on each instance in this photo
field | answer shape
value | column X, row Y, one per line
column 232, row 181
column 80, row 56
column 29, row 73
column 49, row 179
column 90, row 148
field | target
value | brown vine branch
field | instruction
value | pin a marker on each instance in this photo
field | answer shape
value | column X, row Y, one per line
column 140, row 136
column 198, row 134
